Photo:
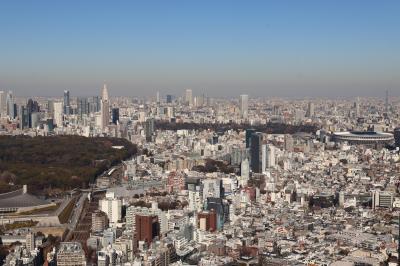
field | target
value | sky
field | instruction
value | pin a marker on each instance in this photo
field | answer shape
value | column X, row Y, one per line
column 341, row 48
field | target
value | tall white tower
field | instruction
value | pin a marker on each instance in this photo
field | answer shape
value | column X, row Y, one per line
column 58, row 113
column 189, row 97
column 105, row 108
column 244, row 105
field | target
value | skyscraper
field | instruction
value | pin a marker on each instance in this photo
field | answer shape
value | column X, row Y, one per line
column 249, row 132
column 67, row 105
column 255, row 152
column 58, row 113
column 82, row 106
column 115, row 115
column 310, row 110
column 149, row 129
column 105, row 108
column 244, row 105
column 147, row 228
column 189, row 97
column 387, row 102
column 357, row 108
column 169, row 98
column 10, row 105
column 2, row 103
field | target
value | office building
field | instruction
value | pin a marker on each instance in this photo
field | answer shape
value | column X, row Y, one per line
column 397, row 136
column 147, row 228
column 115, row 115
column 207, row 220
column 310, row 110
column 30, row 241
column 212, row 188
column 270, row 156
column 255, row 152
column 70, row 254
column 244, row 105
column 99, row 221
column 82, row 106
column 249, row 132
column 67, row 104
column 2, row 103
column 169, row 98
column 112, row 207
column 58, row 113
column 149, row 129
column 105, row 108
column 189, row 97
column 10, row 105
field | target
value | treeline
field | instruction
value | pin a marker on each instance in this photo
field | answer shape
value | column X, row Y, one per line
column 58, row 162
column 271, row 128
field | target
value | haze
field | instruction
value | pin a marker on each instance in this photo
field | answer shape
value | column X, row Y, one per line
column 220, row 48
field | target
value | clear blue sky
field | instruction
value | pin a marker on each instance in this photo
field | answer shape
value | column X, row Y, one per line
column 263, row 48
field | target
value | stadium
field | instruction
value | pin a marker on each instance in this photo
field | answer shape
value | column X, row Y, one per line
column 372, row 138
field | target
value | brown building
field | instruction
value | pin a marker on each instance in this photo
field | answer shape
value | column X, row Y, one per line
column 147, row 228
column 207, row 220
column 99, row 221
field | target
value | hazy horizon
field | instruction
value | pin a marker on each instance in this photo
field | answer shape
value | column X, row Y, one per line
column 224, row 48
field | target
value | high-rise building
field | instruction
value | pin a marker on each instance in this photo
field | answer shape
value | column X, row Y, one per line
column 207, row 220
column 149, row 129
column 212, row 188
column 244, row 105
column 70, row 254
column 289, row 143
column 105, row 108
column 387, row 102
column 94, row 104
column 147, row 228
column 10, row 105
column 270, row 156
column 158, row 97
column 249, row 132
column 23, row 115
column 112, row 207
column 255, row 152
column 357, row 108
column 397, row 136
column 67, row 104
column 169, row 98
column 30, row 241
column 310, row 110
column 244, row 172
column 99, row 221
column 58, row 113
column 2, row 103
column 189, row 97
column 115, row 115
column 35, row 119
column 82, row 106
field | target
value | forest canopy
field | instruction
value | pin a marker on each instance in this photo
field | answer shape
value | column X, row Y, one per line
column 57, row 162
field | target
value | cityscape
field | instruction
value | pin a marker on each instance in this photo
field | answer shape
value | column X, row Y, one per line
column 95, row 173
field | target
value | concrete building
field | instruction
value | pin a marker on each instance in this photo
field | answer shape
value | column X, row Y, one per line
column 112, row 207
column 70, row 254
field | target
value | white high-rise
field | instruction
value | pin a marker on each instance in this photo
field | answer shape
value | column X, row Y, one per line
column 10, row 105
column 112, row 207
column 105, row 108
column 2, row 103
column 244, row 172
column 189, row 97
column 270, row 152
column 244, row 105
column 58, row 113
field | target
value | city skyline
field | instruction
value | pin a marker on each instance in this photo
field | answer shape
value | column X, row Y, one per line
column 227, row 48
